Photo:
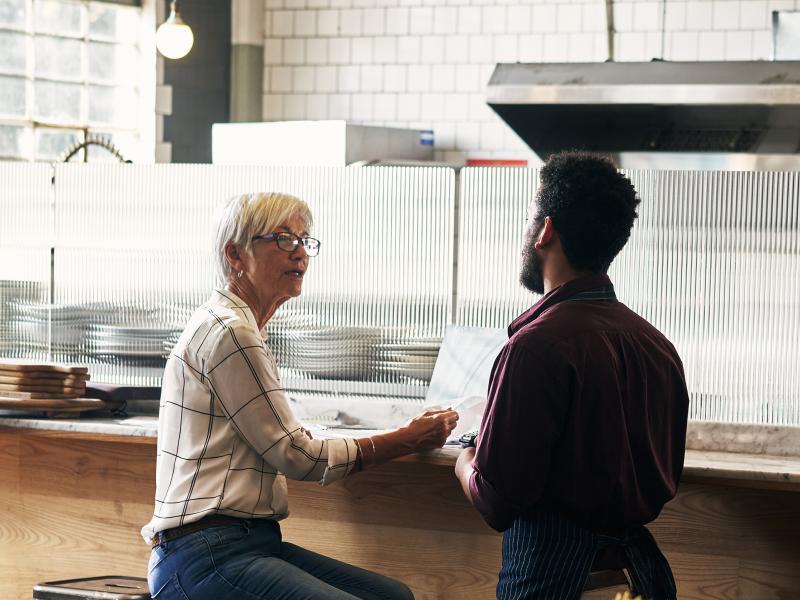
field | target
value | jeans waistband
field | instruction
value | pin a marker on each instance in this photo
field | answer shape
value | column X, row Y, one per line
column 204, row 523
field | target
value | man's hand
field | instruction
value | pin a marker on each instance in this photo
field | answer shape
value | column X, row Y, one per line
column 464, row 470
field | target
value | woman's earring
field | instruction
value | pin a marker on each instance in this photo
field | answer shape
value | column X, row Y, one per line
column 239, row 274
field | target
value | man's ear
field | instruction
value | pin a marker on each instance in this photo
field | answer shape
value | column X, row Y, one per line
column 546, row 234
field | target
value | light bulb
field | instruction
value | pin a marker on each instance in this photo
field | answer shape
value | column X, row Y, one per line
column 174, row 38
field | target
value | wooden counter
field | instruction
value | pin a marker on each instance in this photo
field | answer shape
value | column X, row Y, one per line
column 73, row 504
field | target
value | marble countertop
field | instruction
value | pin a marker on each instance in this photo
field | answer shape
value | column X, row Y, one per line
column 772, row 440
column 135, row 426
column 760, row 453
column 699, row 464
column 739, row 466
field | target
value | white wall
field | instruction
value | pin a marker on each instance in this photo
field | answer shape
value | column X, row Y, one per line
column 425, row 63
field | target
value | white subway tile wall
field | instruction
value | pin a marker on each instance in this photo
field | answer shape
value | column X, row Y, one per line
column 425, row 63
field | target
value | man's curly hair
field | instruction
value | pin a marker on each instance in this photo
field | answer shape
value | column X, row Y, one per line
column 592, row 207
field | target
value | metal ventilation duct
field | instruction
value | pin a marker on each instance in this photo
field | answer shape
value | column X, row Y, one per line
column 728, row 115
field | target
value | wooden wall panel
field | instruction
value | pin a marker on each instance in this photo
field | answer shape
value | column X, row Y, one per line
column 778, row 580
column 700, row 577
column 715, row 517
column 75, row 511
column 382, row 520
column 73, row 505
column 437, row 566
column 398, row 493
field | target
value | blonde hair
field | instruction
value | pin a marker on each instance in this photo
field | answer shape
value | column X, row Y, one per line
column 241, row 217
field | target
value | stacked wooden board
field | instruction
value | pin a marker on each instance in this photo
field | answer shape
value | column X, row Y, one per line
column 44, row 387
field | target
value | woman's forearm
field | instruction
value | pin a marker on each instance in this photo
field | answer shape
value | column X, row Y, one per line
column 383, row 447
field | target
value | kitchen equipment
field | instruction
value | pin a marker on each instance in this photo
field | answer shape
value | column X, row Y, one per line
column 322, row 143
column 668, row 115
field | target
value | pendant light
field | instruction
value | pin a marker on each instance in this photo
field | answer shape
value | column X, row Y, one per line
column 174, row 38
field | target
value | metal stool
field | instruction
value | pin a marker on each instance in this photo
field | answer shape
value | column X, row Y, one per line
column 108, row 587
column 607, row 576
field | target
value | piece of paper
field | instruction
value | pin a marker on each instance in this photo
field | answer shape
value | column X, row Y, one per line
column 470, row 412
column 464, row 363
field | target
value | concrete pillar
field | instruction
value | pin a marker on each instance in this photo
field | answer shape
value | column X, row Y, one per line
column 247, row 60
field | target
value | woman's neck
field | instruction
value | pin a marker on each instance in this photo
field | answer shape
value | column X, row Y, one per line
column 262, row 308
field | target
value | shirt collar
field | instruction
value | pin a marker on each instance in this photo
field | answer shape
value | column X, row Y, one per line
column 559, row 294
column 228, row 298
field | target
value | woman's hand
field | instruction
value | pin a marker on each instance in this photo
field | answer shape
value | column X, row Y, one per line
column 424, row 432
column 430, row 429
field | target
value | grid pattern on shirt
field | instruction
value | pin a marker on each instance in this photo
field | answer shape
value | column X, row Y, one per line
column 227, row 436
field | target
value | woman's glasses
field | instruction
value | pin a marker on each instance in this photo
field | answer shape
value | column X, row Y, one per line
column 289, row 242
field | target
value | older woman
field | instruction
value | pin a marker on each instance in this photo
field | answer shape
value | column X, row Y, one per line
column 228, row 439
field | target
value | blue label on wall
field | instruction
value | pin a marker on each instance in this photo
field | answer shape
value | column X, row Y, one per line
column 426, row 137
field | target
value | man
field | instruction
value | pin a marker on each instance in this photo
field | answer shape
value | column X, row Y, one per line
column 582, row 440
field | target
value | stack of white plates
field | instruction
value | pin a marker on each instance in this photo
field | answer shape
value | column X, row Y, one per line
column 68, row 322
column 328, row 352
column 356, row 353
column 410, row 357
column 14, row 291
column 128, row 341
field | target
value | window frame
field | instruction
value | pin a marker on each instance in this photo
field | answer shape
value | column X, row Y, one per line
column 32, row 125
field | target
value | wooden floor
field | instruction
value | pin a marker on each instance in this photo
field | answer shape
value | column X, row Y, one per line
column 73, row 505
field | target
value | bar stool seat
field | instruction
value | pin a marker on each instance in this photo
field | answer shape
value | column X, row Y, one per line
column 107, row 587
column 607, row 576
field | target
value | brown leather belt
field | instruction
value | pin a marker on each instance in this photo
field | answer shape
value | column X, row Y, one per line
column 176, row 532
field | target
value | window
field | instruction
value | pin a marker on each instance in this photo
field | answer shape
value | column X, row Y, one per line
column 68, row 69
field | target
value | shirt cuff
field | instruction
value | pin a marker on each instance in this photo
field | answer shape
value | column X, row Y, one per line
column 497, row 513
column 341, row 459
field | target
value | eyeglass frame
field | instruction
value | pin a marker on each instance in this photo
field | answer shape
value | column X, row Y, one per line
column 296, row 240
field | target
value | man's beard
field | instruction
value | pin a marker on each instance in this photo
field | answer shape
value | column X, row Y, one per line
column 530, row 274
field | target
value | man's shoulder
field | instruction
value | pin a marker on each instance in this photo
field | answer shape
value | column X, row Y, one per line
column 632, row 321
column 568, row 322
column 536, row 337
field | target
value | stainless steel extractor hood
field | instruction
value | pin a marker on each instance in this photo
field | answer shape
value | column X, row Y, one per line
column 698, row 115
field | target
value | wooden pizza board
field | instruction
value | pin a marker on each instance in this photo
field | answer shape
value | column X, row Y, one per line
column 24, row 395
column 40, row 375
column 28, row 366
column 51, row 405
column 41, row 386
column 27, row 379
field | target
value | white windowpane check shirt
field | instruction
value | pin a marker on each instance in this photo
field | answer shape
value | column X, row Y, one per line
column 227, row 438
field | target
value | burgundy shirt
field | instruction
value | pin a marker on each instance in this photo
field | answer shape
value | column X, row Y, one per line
column 586, row 414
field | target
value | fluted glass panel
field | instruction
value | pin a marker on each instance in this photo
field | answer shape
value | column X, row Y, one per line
column 133, row 248
column 492, row 213
column 712, row 262
column 26, row 229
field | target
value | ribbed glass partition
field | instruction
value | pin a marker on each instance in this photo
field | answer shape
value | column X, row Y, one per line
column 133, row 248
column 378, row 297
column 26, row 229
column 713, row 261
column 492, row 212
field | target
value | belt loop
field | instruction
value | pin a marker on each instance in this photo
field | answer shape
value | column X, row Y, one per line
column 246, row 525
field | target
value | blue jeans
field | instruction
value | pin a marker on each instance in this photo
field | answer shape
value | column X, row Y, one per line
column 250, row 561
